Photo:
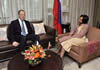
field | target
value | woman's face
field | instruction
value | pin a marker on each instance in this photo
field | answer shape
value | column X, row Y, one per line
column 80, row 20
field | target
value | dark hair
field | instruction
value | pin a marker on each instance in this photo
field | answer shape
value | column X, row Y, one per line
column 20, row 11
column 85, row 19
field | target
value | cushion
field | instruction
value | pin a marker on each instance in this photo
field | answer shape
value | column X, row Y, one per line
column 3, row 33
column 39, row 28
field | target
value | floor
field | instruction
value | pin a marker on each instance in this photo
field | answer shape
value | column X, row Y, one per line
column 69, row 64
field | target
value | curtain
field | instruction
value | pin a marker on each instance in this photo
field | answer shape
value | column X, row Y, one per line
column 71, row 10
column 9, row 10
column 50, row 12
column 78, row 7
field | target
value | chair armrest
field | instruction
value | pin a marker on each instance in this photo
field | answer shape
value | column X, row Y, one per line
column 83, row 48
column 50, row 31
column 99, row 43
column 83, row 52
column 61, row 35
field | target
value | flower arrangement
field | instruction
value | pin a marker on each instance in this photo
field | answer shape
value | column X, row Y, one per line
column 34, row 54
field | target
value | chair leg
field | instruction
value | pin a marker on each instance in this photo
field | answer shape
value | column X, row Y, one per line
column 79, row 65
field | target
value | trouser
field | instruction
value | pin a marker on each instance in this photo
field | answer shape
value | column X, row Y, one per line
column 24, row 39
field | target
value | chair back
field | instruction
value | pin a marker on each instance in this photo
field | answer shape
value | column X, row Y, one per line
column 93, row 33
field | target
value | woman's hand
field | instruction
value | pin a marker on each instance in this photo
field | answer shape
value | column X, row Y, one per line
column 70, row 33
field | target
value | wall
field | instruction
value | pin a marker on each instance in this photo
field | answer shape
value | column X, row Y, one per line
column 72, row 9
column 97, row 13
column 78, row 7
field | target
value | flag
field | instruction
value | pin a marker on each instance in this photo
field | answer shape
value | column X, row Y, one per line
column 57, row 16
column 37, row 43
column 49, row 46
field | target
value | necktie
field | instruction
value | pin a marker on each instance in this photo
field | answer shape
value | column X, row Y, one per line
column 23, row 29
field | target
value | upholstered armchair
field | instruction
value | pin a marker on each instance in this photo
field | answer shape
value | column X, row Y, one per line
column 86, row 51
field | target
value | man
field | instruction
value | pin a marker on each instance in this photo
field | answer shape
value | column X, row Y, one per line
column 19, row 31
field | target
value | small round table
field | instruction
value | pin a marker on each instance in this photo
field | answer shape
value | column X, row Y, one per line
column 51, row 62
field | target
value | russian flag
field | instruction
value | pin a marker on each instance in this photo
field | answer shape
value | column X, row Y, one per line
column 57, row 16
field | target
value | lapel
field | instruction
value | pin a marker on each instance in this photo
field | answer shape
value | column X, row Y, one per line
column 18, row 23
column 20, row 26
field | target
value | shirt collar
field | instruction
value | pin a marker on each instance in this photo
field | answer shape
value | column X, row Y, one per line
column 20, row 20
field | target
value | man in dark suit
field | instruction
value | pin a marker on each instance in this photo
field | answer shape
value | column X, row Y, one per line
column 19, row 31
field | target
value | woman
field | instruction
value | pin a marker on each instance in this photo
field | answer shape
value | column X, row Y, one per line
column 76, row 37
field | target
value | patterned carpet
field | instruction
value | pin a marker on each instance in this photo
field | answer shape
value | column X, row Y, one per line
column 69, row 64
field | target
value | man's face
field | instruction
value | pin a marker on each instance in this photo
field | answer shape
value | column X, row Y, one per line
column 21, row 15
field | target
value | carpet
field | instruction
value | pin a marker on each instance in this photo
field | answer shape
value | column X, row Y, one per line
column 69, row 64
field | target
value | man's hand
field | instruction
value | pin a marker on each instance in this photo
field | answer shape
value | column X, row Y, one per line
column 15, row 44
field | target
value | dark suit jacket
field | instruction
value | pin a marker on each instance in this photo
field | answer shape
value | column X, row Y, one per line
column 14, row 30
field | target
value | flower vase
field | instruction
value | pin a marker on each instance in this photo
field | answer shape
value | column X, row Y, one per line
column 35, row 63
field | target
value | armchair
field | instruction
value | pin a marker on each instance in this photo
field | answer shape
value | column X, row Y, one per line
column 80, row 53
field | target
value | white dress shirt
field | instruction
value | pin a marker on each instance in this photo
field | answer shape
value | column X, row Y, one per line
column 20, row 22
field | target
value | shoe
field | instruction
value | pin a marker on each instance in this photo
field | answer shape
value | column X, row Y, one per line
column 22, row 53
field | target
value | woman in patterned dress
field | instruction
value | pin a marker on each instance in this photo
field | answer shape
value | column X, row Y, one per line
column 76, row 37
